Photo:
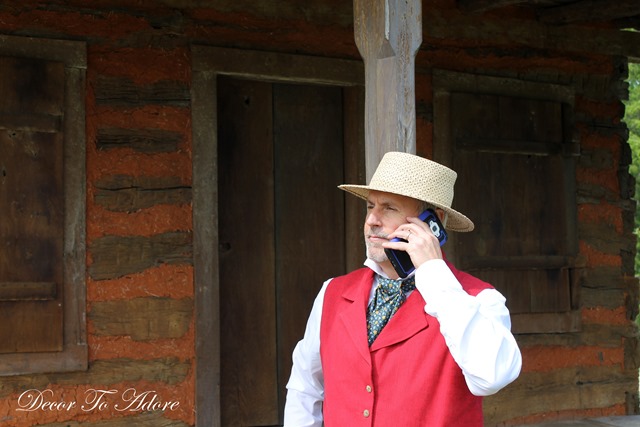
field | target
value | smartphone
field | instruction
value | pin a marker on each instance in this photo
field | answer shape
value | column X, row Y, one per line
column 400, row 259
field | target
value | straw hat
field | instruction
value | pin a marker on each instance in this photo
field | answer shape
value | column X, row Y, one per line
column 413, row 176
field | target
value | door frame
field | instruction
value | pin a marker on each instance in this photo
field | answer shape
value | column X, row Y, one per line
column 207, row 63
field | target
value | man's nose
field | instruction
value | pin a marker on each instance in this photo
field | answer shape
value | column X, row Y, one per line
column 372, row 218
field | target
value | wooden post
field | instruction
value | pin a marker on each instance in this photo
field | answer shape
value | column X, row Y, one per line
column 388, row 34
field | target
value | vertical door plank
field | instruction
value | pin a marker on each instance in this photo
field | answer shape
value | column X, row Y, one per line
column 309, row 207
column 247, row 257
column 354, row 173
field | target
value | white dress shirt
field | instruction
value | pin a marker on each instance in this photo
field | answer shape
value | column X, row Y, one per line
column 477, row 331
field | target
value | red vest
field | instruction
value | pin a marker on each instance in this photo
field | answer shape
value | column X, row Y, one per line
column 407, row 378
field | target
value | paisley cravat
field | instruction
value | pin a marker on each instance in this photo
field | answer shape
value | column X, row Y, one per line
column 388, row 297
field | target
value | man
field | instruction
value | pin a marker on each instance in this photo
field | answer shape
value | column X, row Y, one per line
column 442, row 348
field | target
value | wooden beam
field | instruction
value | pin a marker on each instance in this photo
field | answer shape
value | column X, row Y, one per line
column 590, row 11
column 477, row 6
column 579, row 11
column 280, row 67
column 388, row 34
column 534, row 34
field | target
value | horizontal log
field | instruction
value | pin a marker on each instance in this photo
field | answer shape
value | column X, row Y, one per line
column 604, row 277
column 142, row 140
column 142, row 319
column 561, row 390
column 580, row 11
column 117, row 256
column 147, row 419
column 595, row 193
column 121, row 193
column 124, row 92
column 477, row 6
column 590, row 11
column 606, row 335
column 602, row 297
column 590, row 334
column 603, row 237
column 170, row 371
column 596, row 158
column 479, row 28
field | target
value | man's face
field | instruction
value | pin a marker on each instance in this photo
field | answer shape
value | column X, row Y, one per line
column 385, row 213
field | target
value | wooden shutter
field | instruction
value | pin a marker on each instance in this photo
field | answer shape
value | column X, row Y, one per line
column 31, row 205
column 517, row 181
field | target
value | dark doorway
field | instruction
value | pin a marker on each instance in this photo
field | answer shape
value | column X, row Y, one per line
column 281, row 154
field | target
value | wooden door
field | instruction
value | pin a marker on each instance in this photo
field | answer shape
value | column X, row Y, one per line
column 282, row 232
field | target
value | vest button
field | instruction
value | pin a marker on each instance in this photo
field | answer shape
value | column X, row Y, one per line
column 366, row 413
column 369, row 389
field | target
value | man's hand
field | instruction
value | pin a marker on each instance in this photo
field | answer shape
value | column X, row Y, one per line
column 422, row 245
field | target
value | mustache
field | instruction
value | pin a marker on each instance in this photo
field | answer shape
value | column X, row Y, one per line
column 377, row 233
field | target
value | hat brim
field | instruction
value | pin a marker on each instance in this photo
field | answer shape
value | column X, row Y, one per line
column 455, row 220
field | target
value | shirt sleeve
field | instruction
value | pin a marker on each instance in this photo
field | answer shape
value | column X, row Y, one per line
column 476, row 329
column 305, row 389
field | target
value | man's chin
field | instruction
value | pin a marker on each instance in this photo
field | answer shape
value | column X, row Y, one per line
column 377, row 255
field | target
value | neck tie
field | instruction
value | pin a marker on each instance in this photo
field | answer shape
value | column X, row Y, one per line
column 386, row 301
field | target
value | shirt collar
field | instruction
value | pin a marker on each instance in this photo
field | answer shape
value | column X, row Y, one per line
column 378, row 270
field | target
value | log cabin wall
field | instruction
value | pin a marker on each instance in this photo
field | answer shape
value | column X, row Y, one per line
column 140, row 291
column 595, row 359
